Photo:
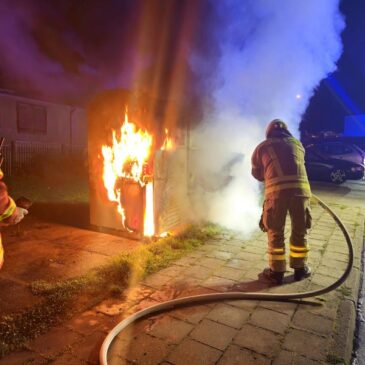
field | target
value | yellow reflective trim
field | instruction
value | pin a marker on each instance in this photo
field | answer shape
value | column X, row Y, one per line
column 293, row 185
column 9, row 210
column 276, row 257
column 1, row 253
column 275, row 180
column 298, row 254
column 275, row 161
column 299, row 248
column 277, row 250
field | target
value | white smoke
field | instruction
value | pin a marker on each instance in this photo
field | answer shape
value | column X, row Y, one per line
column 273, row 56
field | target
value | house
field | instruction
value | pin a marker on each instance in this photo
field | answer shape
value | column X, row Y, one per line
column 36, row 126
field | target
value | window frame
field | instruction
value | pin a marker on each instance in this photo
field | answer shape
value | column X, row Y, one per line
column 33, row 128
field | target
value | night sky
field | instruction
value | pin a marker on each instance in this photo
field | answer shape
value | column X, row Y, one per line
column 343, row 92
column 87, row 47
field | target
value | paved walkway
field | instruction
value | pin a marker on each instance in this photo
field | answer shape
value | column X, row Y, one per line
column 230, row 332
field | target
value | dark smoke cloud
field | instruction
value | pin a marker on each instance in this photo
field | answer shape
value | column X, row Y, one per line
column 70, row 50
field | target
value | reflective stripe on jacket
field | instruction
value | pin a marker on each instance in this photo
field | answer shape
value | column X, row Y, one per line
column 6, row 214
column 279, row 162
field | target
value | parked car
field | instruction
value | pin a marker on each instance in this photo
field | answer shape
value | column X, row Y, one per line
column 339, row 150
column 321, row 167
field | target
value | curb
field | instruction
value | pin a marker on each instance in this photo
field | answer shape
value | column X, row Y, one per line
column 345, row 322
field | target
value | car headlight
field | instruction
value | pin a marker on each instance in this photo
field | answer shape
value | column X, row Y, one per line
column 357, row 169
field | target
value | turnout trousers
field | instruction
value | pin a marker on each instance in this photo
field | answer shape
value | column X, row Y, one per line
column 274, row 216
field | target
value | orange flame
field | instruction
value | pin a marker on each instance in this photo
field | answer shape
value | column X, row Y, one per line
column 125, row 159
column 168, row 143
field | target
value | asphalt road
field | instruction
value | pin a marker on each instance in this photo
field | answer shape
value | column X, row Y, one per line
column 351, row 192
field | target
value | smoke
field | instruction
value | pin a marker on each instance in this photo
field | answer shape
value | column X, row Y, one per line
column 70, row 50
column 273, row 56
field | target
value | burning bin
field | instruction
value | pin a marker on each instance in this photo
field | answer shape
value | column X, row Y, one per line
column 137, row 188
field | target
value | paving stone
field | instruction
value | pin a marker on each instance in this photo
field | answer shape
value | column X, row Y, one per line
column 186, row 261
column 313, row 322
column 229, row 273
column 170, row 329
column 193, row 315
column 211, row 262
column 22, row 357
column 237, row 356
column 281, row 307
column 191, row 352
column 322, row 280
column 172, row 271
column 85, row 323
column 248, row 256
column 146, row 350
column 232, row 249
column 252, row 274
column 244, row 304
column 88, row 349
column 198, row 272
column 268, row 319
column 259, row 340
column 156, row 280
column 300, row 341
column 325, row 309
column 54, row 342
column 218, row 283
column 291, row 358
column 228, row 315
column 67, row 358
column 221, row 255
column 206, row 332
column 237, row 264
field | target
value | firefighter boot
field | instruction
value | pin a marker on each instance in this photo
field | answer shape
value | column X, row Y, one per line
column 275, row 277
column 300, row 274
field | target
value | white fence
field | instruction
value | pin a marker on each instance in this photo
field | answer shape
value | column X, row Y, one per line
column 19, row 155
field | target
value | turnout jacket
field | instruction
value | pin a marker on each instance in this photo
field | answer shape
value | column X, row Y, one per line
column 279, row 163
column 7, row 212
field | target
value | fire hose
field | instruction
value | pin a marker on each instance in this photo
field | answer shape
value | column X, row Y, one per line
column 198, row 299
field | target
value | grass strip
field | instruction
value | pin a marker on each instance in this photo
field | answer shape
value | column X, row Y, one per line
column 66, row 298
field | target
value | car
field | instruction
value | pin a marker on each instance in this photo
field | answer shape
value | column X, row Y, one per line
column 321, row 167
column 339, row 150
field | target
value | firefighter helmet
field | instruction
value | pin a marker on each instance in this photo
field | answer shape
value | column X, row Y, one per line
column 276, row 125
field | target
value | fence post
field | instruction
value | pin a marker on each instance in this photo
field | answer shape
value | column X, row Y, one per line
column 13, row 158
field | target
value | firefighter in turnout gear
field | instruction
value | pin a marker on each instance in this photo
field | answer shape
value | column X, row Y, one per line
column 9, row 213
column 279, row 163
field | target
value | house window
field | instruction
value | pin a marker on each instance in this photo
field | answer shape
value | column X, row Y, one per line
column 31, row 118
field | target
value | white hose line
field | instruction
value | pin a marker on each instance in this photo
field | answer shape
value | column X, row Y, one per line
column 175, row 303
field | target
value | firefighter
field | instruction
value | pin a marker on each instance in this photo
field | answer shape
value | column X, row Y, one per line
column 279, row 163
column 9, row 212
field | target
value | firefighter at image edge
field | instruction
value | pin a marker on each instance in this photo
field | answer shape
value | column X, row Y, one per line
column 9, row 213
column 279, row 163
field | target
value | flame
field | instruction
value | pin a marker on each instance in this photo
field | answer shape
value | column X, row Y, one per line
column 126, row 158
column 168, row 143
column 149, row 222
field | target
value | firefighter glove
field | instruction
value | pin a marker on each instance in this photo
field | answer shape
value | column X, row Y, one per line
column 261, row 224
column 20, row 214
